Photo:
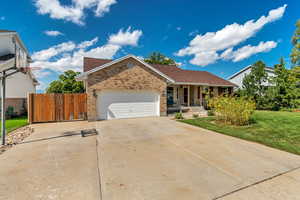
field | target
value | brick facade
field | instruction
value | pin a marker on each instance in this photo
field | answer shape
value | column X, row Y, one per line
column 19, row 105
column 122, row 76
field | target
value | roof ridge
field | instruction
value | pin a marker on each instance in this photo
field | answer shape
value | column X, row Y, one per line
column 98, row 58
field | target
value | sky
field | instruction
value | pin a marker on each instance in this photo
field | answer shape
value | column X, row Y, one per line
column 219, row 36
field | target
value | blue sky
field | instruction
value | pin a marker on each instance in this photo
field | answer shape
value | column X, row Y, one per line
column 216, row 35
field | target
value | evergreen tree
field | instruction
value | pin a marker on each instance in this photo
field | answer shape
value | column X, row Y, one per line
column 295, row 55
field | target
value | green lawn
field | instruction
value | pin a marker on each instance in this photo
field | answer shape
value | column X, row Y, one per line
column 12, row 124
column 280, row 130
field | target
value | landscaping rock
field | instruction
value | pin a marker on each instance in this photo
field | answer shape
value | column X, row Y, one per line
column 16, row 137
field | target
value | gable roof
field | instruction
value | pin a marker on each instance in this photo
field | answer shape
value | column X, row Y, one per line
column 84, row 75
column 270, row 69
column 172, row 72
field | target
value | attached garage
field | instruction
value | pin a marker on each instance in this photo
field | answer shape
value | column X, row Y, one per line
column 127, row 104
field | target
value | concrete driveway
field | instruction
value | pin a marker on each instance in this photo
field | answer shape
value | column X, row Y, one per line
column 157, row 158
column 147, row 158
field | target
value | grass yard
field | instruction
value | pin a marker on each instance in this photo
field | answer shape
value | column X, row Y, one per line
column 280, row 130
column 12, row 124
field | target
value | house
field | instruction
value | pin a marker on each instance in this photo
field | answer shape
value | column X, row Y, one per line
column 128, row 87
column 13, row 53
column 238, row 77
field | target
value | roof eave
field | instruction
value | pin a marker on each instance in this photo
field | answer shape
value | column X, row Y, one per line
column 203, row 84
column 84, row 75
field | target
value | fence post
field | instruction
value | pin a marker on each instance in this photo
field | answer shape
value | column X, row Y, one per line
column 30, row 108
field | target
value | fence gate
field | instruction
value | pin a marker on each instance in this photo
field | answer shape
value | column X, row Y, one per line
column 56, row 107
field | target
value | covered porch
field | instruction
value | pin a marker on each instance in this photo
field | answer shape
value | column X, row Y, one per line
column 186, row 97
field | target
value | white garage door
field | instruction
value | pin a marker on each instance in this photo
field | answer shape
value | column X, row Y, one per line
column 127, row 104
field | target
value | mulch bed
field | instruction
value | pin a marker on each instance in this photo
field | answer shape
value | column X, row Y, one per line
column 16, row 137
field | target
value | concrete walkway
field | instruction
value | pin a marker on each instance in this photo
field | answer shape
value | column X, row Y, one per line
column 144, row 159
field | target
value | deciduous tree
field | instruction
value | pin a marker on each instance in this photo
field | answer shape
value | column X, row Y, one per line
column 66, row 84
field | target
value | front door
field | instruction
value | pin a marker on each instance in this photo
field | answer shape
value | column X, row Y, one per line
column 185, row 96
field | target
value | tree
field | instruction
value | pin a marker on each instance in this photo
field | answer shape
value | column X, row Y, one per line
column 158, row 58
column 295, row 55
column 254, row 83
column 66, row 84
column 284, row 89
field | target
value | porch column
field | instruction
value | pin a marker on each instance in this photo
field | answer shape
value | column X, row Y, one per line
column 200, row 97
column 189, row 96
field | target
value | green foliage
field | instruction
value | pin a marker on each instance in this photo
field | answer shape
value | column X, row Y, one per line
column 295, row 55
column 195, row 115
column 66, row 84
column 284, row 93
column 158, row 58
column 232, row 110
column 10, row 112
column 179, row 115
column 254, row 83
column 210, row 113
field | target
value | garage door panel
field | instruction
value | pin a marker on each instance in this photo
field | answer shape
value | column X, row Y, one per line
column 127, row 104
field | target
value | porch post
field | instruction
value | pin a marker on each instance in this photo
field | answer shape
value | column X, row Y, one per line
column 189, row 96
column 200, row 97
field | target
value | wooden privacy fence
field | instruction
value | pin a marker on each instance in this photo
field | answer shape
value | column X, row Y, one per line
column 56, row 107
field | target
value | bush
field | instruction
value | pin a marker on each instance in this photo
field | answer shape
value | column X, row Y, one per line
column 210, row 113
column 232, row 110
column 178, row 115
column 10, row 113
column 195, row 115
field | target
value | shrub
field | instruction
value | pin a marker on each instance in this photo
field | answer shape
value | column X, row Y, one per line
column 10, row 113
column 195, row 115
column 210, row 113
column 178, row 115
column 232, row 110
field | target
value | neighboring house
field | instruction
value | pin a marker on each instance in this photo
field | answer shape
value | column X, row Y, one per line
column 19, row 84
column 128, row 87
column 238, row 77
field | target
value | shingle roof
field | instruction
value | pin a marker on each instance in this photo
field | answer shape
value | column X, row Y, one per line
column 191, row 76
column 91, row 63
column 172, row 71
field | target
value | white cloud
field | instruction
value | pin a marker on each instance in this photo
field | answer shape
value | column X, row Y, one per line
column 231, row 35
column 86, row 44
column 75, row 11
column 41, row 73
column 2, row 18
column 53, row 51
column 69, row 55
column 178, row 28
column 247, row 51
column 53, row 33
column 127, row 37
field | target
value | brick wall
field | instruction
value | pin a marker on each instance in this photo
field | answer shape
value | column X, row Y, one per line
column 19, row 105
column 120, row 76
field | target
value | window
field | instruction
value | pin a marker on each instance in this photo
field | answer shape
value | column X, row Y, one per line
column 177, row 95
column 199, row 92
column 170, row 95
